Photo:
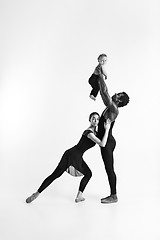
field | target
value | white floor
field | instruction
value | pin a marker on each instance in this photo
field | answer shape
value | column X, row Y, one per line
column 56, row 216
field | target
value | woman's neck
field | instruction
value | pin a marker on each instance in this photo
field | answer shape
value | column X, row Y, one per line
column 92, row 127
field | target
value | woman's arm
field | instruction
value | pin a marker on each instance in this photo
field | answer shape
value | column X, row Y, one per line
column 102, row 142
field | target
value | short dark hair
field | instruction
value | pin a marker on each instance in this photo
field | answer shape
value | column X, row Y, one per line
column 102, row 55
column 124, row 100
column 93, row 113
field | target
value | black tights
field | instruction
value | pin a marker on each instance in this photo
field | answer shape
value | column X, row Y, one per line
column 107, row 155
column 60, row 170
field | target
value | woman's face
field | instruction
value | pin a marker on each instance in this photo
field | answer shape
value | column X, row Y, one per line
column 94, row 120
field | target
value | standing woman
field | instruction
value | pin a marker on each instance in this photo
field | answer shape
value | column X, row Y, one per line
column 72, row 159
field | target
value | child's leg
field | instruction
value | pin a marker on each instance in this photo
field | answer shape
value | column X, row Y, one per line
column 94, row 92
column 93, row 81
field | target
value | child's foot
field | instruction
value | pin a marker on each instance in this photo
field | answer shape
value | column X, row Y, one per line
column 32, row 197
column 92, row 97
column 79, row 199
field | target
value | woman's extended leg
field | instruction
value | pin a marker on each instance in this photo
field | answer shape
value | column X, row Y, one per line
column 56, row 174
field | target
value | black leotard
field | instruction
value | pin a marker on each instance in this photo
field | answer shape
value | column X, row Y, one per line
column 72, row 159
column 73, row 163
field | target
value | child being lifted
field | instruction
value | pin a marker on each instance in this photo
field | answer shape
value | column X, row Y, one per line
column 93, row 80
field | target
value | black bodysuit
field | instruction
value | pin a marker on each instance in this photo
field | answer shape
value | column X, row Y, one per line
column 107, row 153
column 72, row 162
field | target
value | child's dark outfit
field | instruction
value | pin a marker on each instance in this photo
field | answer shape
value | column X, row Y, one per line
column 93, row 81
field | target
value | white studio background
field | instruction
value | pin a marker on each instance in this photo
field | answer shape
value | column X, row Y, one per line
column 48, row 51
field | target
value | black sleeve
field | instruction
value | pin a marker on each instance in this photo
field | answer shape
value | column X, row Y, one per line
column 86, row 132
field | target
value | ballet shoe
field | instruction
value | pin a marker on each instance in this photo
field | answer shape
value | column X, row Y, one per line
column 32, row 197
column 79, row 199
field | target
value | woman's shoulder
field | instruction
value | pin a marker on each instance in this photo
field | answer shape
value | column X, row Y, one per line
column 87, row 131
